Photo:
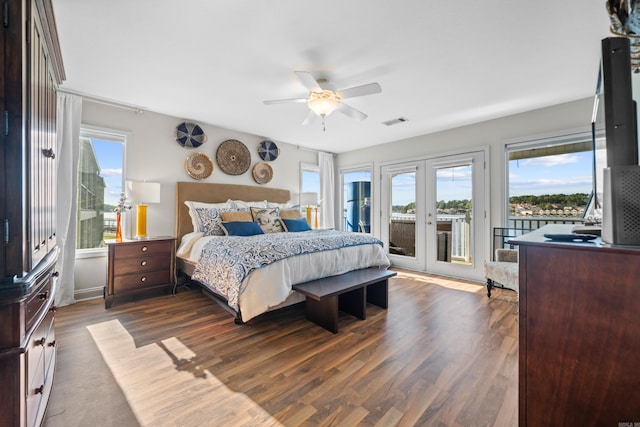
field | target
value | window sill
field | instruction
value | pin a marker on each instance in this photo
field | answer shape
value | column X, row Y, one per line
column 91, row 253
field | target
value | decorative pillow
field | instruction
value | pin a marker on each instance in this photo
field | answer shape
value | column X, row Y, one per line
column 241, row 204
column 195, row 219
column 241, row 228
column 295, row 225
column 287, row 205
column 244, row 215
column 210, row 220
column 290, row 213
column 267, row 218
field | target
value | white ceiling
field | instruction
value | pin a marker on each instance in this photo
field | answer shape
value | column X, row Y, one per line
column 440, row 64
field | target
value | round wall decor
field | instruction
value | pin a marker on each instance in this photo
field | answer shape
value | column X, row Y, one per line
column 190, row 135
column 233, row 157
column 262, row 173
column 268, row 150
column 198, row 166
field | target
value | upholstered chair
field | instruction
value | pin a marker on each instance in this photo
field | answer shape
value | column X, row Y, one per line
column 503, row 271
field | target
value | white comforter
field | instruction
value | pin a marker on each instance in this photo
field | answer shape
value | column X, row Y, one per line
column 269, row 286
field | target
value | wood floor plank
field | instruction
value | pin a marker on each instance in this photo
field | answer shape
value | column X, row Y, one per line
column 442, row 354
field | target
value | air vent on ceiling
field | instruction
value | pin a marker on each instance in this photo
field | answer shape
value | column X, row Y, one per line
column 395, row 121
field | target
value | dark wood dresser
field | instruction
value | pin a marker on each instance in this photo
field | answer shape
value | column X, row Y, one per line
column 30, row 71
column 140, row 266
column 28, row 346
column 579, row 326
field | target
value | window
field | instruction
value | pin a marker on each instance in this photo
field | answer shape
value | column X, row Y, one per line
column 310, row 183
column 356, row 199
column 549, row 181
column 100, row 183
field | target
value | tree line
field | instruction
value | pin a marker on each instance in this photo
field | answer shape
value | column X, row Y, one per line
column 546, row 201
column 562, row 200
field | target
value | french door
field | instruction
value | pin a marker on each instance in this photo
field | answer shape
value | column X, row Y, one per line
column 433, row 214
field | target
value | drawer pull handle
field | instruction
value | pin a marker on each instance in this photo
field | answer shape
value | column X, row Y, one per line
column 41, row 341
column 144, row 249
column 143, row 279
column 52, row 343
column 55, row 274
column 143, row 263
column 40, row 389
column 44, row 295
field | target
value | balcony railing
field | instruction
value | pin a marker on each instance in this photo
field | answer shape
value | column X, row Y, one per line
column 454, row 234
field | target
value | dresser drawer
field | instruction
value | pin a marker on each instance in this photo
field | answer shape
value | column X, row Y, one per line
column 143, row 248
column 142, row 264
column 36, row 350
column 140, row 281
column 36, row 300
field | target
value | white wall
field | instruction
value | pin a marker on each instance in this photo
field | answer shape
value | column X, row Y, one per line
column 153, row 155
column 556, row 120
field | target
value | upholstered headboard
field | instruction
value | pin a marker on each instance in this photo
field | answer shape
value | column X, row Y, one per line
column 219, row 193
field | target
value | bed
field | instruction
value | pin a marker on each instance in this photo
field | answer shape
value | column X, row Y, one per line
column 266, row 286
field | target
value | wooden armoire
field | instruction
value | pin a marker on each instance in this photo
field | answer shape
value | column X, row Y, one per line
column 30, row 70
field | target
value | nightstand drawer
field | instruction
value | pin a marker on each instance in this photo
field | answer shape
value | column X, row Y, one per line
column 142, row 280
column 141, row 264
column 143, row 248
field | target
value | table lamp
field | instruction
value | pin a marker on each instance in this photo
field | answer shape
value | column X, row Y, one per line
column 143, row 192
column 309, row 200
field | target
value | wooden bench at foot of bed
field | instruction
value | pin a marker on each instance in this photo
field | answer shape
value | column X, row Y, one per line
column 348, row 292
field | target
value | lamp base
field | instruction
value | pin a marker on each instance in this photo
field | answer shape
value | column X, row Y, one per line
column 141, row 222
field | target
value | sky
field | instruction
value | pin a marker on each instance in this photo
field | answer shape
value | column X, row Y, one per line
column 110, row 158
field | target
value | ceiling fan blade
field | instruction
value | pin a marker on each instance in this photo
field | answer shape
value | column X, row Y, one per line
column 351, row 112
column 285, row 101
column 352, row 92
column 308, row 81
column 311, row 117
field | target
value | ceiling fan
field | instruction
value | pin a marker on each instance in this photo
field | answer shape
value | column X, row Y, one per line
column 323, row 101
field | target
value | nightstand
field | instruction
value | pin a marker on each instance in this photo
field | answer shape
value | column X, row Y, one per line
column 140, row 266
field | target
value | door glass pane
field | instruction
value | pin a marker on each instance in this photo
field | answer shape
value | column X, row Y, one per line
column 454, row 219
column 402, row 221
column 357, row 201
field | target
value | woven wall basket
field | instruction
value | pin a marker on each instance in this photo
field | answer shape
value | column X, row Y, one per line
column 233, row 157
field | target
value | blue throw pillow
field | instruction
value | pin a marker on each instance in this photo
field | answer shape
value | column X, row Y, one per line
column 295, row 225
column 241, row 228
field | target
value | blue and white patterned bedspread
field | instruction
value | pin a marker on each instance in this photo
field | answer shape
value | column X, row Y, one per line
column 226, row 261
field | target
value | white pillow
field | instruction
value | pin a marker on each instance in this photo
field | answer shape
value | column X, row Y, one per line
column 287, row 205
column 241, row 204
column 195, row 219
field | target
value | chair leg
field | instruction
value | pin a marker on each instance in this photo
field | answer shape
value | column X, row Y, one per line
column 489, row 287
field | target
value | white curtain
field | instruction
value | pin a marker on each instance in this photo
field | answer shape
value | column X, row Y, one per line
column 327, row 190
column 68, row 134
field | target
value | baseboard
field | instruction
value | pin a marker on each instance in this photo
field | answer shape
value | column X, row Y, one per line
column 88, row 293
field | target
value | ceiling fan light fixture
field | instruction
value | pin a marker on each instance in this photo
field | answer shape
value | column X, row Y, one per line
column 323, row 103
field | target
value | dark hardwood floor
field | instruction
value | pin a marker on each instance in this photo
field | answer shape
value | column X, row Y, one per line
column 443, row 354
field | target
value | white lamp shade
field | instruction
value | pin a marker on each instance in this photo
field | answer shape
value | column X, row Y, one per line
column 308, row 199
column 144, row 192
